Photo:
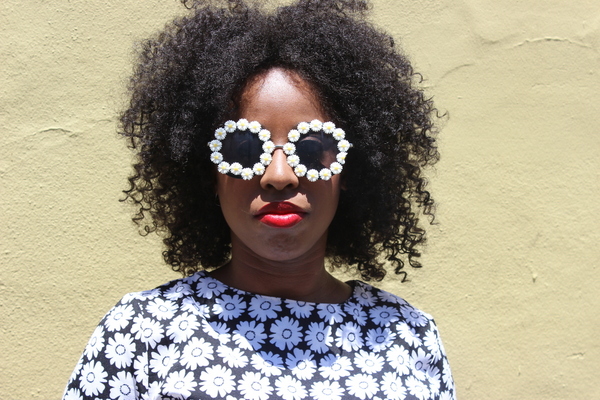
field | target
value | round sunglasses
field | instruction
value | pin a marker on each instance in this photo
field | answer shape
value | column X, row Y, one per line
column 315, row 150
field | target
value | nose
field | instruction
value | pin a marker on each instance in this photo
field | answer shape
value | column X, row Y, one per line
column 279, row 175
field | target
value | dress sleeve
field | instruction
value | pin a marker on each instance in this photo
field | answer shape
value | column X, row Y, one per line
column 439, row 369
column 114, row 363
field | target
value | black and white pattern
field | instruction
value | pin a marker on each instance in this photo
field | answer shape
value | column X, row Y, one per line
column 196, row 338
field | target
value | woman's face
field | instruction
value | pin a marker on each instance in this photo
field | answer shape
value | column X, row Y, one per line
column 279, row 216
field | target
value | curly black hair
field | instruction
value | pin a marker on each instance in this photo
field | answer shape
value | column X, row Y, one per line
column 188, row 80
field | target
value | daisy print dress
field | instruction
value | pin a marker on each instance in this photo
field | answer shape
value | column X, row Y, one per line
column 196, row 338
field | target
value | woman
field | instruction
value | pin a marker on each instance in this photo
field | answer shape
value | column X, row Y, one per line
column 268, row 143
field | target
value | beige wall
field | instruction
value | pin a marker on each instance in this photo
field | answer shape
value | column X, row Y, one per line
column 511, row 272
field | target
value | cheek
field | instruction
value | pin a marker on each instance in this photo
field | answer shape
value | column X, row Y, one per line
column 226, row 188
column 235, row 195
column 326, row 195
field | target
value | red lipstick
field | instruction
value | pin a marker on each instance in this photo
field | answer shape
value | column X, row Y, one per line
column 280, row 214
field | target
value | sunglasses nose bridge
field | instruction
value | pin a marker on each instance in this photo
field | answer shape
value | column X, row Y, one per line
column 279, row 174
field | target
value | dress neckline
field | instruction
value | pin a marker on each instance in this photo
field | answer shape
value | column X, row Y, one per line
column 354, row 285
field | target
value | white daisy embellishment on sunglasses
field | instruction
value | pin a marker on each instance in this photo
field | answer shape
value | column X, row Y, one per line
column 312, row 175
column 229, row 126
column 315, row 150
column 220, row 133
column 223, row 167
column 215, row 145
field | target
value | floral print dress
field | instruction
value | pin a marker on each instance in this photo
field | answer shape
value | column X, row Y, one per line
column 196, row 338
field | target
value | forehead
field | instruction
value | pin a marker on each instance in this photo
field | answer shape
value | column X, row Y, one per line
column 279, row 99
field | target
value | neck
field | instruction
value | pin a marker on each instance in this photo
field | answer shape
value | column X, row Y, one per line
column 303, row 279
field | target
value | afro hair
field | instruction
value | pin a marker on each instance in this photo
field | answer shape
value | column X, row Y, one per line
column 188, row 80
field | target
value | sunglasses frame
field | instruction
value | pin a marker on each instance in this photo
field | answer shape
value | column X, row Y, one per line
column 237, row 170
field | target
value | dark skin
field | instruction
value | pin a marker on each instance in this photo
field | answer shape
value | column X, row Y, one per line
column 284, row 262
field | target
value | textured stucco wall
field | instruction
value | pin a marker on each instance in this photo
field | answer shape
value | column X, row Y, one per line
column 511, row 271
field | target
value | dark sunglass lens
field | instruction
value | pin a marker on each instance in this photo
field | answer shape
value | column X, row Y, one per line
column 243, row 147
column 317, row 150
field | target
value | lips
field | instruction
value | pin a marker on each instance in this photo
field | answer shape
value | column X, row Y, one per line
column 280, row 214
